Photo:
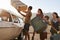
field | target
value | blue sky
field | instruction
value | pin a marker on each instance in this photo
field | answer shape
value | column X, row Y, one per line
column 45, row 5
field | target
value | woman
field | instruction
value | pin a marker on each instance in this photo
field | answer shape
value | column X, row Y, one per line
column 55, row 24
column 40, row 14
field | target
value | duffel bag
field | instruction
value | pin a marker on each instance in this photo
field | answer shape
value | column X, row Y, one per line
column 55, row 37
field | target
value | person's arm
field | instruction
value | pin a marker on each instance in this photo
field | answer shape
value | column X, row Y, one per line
column 22, row 14
column 20, row 10
column 24, row 11
column 53, row 27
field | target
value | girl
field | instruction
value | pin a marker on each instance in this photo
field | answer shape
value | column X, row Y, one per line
column 40, row 14
column 55, row 24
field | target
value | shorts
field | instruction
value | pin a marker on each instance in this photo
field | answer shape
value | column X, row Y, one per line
column 26, row 27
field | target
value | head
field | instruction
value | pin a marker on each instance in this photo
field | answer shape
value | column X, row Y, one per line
column 30, row 8
column 40, row 11
column 46, row 17
column 55, row 15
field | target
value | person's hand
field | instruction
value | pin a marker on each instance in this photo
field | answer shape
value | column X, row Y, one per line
column 58, row 32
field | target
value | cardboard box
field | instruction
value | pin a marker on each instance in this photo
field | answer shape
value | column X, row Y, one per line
column 22, row 8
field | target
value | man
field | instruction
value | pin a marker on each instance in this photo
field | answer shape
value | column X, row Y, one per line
column 27, row 22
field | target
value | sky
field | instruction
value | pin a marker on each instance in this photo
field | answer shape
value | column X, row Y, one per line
column 46, row 5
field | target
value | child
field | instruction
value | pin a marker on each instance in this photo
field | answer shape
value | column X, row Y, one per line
column 43, row 35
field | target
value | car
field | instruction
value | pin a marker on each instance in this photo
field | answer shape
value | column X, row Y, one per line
column 10, row 26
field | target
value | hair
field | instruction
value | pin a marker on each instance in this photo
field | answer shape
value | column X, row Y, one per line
column 56, row 14
column 30, row 7
column 41, row 12
column 47, row 17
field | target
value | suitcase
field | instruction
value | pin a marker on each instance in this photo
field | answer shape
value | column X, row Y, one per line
column 38, row 24
column 55, row 37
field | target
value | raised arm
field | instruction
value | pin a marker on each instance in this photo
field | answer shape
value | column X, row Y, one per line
column 20, row 10
column 53, row 27
column 24, row 11
column 22, row 14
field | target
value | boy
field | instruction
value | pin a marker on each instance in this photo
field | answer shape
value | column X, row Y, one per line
column 27, row 22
